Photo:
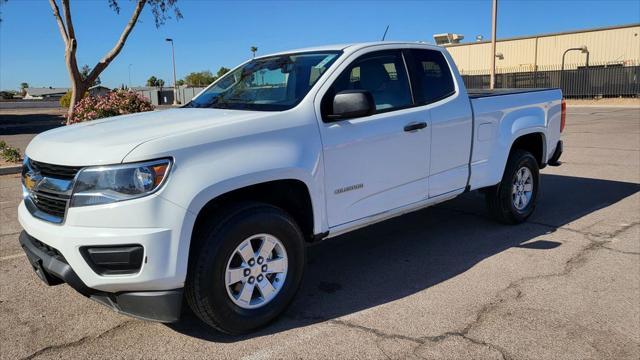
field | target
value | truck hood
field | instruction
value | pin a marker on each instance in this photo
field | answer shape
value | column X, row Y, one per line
column 108, row 141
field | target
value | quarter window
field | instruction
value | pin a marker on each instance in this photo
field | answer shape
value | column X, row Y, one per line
column 431, row 75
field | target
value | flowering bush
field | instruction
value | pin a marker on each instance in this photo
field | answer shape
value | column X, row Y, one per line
column 117, row 102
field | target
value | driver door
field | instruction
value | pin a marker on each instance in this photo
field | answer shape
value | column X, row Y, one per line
column 378, row 162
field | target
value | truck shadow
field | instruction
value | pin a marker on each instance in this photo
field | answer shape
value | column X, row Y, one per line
column 405, row 255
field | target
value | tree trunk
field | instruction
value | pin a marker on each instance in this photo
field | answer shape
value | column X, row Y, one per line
column 78, row 85
column 78, row 88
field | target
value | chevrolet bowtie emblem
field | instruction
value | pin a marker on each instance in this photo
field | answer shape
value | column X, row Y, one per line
column 31, row 180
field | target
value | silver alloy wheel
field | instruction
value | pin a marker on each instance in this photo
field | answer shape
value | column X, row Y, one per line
column 522, row 189
column 256, row 271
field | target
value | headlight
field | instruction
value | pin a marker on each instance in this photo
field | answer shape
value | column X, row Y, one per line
column 108, row 184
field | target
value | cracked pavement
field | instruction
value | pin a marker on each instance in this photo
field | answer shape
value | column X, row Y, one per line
column 442, row 283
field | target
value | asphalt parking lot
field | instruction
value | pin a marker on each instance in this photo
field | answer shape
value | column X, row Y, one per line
column 443, row 283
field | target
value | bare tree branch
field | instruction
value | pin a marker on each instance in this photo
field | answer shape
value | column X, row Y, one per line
column 102, row 64
column 67, row 18
column 79, row 83
column 71, row 42
column 61, row 27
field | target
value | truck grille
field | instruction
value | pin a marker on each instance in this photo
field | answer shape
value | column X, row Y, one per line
column 51, row 204
column 55, row 171
column 49, row 189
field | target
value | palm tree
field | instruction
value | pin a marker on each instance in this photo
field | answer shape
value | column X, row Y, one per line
column 254, row 50
column 23, row 88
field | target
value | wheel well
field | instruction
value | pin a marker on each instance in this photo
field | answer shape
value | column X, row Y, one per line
column 533, row 143
column 291, row 196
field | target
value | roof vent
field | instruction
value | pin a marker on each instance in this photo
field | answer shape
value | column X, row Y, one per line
column 448, row 38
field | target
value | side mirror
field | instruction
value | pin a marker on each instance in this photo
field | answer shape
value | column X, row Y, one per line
column 350, row 104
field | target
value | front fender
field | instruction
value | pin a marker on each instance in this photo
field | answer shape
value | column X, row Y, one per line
column 215, row 190
column 216, row 161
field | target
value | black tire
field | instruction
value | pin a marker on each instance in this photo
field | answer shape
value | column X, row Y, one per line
column 499, row 198
column 216, row 242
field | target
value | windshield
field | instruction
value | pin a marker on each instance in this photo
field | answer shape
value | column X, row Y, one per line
column 274, row 83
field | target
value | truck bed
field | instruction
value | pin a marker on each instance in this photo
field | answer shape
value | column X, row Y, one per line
column 502, row 115
column 480, row 93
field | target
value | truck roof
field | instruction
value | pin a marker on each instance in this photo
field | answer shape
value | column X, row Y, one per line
column 350, row 47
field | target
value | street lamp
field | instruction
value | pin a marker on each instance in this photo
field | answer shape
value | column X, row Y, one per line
column 173, row 57
column 583, row 49
column 130, row 65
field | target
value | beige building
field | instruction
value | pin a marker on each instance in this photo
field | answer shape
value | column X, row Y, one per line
column 616, row 45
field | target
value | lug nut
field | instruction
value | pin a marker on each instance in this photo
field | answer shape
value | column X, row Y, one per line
column 251, row 262
column 260, row 277
column 264, row 268
column 251, row 280
column 260, row 260
column 247, row 272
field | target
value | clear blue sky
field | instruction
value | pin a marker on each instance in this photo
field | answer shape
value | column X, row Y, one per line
column 214, row 34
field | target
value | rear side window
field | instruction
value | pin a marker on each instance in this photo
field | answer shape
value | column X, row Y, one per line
column 382, row 74
column 431, row 76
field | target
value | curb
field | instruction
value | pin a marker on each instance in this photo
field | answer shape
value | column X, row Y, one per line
column 16, row 169
column 605, row 106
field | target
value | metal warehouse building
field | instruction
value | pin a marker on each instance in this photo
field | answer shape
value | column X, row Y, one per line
column 616, row 45
column 598, row 62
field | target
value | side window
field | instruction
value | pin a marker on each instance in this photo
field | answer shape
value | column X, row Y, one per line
column 431, row 76
column 382, row 74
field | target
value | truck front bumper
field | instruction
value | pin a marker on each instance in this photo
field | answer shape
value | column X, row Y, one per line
column 51, row 266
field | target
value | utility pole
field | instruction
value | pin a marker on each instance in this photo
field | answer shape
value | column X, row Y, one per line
column 173, row 57
column 494, row 13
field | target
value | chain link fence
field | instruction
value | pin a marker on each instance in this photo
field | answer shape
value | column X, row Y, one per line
column 593, row 81
column 164, row 96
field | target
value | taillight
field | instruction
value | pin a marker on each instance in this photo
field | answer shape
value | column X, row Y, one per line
column 563, row 116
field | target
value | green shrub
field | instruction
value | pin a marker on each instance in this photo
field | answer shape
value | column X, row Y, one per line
column 65, row 100
column 6, row 95
column 11, row 154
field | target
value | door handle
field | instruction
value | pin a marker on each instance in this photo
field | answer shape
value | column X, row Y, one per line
column 415, row 126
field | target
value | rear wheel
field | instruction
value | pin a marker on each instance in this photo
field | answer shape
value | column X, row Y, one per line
column 247, row 268
column 513, row 200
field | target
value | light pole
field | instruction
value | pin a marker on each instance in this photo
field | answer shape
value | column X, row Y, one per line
column 494, row 19
column 583, row 49
column 130, row 65
column 173, row 57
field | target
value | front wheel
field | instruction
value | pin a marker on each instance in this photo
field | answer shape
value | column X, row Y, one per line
column 246, row 269
column 513, row 200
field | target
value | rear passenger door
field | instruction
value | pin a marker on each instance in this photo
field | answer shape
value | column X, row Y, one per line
column 374, row 163
column 434, row 87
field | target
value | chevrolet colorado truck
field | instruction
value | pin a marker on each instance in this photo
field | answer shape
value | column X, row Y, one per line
column 212, row 203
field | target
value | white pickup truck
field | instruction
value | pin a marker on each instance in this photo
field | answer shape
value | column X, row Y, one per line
column 215, row 201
